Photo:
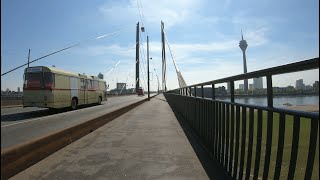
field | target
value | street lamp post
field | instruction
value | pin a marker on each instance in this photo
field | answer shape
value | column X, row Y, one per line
column 158, row 83
column 148, row 68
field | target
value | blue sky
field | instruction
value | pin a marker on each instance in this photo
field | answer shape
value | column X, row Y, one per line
column 203, row 35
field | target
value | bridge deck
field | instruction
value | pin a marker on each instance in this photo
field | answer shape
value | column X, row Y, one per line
column 145, row 143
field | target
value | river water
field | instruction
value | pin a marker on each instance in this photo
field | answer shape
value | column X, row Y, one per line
column 279, row 101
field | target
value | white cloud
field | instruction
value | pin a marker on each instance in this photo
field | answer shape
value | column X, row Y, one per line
column 257, row 37
column 255, row 29
column 118, row 12
column 226, row 4
column 152, row 11
column 184, row 51
column 114, row 49
column 247, row 21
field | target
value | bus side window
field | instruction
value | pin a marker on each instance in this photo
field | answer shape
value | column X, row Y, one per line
column 24, row 81
column 92, row 84
column 53, row 80
column 82, row 85
column 88, row 84
column 48, row 79
column 96, row 84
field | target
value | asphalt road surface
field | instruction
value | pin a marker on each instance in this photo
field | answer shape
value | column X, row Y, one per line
column 20, row 125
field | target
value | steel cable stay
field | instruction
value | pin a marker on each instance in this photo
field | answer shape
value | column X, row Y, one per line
column 142, row 72
column 69, row 47
column 126, row 80
column 143, row 79
column 112, row 68
column 142, row 18
column 143, row 63
column 117, row 63
column 181, row 80
column 152, row 65
column 141, row 15
column 144, row 56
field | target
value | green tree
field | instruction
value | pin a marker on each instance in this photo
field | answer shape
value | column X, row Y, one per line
column 100, row 75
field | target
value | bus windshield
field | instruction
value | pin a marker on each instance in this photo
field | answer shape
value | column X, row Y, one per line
column 39, row 79
column 33, row 80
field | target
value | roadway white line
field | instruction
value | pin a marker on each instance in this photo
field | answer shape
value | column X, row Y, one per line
column 46, row 117
column 21, row 122
column 50, row 116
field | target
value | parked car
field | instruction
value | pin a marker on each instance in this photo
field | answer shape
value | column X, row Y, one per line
column 140, row 92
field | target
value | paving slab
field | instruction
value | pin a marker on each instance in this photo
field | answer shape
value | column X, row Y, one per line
column 145, row 143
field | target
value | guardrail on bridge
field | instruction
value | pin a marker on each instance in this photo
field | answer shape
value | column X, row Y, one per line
column 250, row 140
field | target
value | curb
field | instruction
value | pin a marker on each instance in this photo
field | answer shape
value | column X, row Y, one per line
column 20, row 157
column 20, row 105
column 13, row 106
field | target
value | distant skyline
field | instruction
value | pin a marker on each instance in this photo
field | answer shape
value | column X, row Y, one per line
column 204, row 36
column 120, row 84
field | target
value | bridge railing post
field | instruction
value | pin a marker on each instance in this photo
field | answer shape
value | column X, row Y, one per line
column 213, row 92
column 269, row 91
column 232, row 91
column 202, row 93
column 195, row 91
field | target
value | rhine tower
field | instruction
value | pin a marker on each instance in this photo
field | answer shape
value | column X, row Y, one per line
column 243, row 46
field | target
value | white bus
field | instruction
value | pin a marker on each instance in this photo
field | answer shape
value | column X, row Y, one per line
column 48, row 87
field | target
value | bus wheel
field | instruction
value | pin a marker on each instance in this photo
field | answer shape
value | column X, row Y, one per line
column 74, row 103
column 100, row 100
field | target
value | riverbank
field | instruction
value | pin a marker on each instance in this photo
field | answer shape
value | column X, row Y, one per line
column 308, row 108
column 301, row 94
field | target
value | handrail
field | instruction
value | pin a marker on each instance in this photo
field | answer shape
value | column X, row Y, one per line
column 305, row 114
column 288, row 68
column 268, row 73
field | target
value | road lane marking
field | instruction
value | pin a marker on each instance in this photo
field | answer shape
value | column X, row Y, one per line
column 47, row 117
column 20, row 122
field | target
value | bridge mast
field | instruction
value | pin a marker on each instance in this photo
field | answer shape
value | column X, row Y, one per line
column 164, row 78
column 137, row 59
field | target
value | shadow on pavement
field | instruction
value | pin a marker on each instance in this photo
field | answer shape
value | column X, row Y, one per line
column 161, row 99
column 212, row 168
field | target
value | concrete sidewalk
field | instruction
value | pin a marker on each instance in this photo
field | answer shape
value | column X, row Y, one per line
column 145, row 143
